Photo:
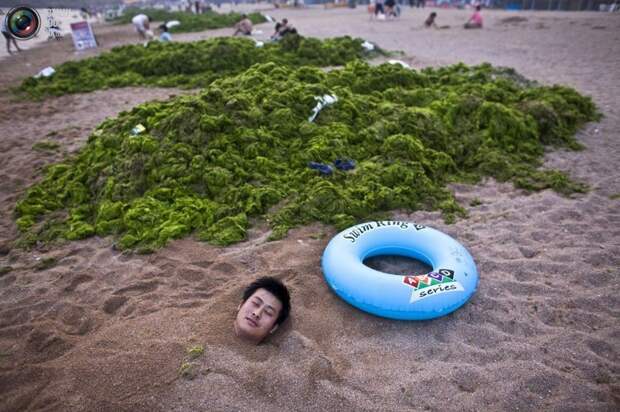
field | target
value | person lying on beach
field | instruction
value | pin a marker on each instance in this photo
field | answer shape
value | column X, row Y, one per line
column 142, row 24
column 9, row 38
column 282, row 29
column 265, row 305
column 244, row 26
column 475, row 21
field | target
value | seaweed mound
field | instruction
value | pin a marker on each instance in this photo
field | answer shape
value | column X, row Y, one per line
column 190, row 22
column 190, row 65
column 207, row 164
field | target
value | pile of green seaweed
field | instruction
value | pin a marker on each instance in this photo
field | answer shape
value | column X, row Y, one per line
column 190, row 65
column 207, row 164
column 190, row 22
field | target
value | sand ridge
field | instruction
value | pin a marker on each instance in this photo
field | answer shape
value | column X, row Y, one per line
column 86, row 327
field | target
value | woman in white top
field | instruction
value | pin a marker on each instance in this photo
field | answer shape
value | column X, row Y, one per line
column 142, row 24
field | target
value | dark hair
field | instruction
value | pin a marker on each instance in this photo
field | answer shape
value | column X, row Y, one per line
column 433, row 14
column 149, row 17
column 276, row 288
column 478, row 8
column 284, row 21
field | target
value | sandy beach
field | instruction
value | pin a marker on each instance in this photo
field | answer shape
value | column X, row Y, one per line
column 84, row 327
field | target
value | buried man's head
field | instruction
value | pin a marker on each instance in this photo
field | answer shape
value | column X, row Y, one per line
column 265, row 305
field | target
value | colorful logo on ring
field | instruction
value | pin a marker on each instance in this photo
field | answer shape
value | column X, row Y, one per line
column 429, row 279
column 432, row 283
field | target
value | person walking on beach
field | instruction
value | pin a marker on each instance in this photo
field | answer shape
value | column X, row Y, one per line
column 475, row 21
column 265, row 305
column 244, row 26
column 379, row 10
column 9, row 38
column 141, row 22
column 391, row 8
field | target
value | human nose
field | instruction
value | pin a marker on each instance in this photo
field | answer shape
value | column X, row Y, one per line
column 257, row 312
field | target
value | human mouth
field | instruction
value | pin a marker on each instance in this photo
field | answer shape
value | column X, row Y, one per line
column 252, row 322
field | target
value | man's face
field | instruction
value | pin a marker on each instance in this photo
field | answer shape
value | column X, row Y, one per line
column 257, row 316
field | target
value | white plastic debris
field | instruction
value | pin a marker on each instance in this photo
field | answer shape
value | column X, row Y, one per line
column 368, row 45
column 47, row 72
column 402, row 63
column 172, row 23
column 259, row 43
column 269, row 18
column 322, row 101
column 138, row 129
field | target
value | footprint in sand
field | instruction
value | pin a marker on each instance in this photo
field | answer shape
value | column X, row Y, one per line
column 112, row 305
column 45, row 345
column 75, row 320
column 468, row 380
column 203, row 263
column 191, row 275
column 76, row 281
column 138, row 289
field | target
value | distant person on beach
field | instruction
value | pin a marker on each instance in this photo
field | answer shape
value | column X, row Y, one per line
column 391, row 8
column 430, row 21
column 371, row 10
column 475, row 21
column 164, row 36
column 379, row 10
column 244, row 26
column 142, row 24
column 265, row 305
column 7, row 35
column 282, row 29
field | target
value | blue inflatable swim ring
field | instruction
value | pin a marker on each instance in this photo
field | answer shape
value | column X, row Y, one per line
column 448, row 286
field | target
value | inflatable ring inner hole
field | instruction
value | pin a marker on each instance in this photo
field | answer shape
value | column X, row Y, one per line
column 398, row 265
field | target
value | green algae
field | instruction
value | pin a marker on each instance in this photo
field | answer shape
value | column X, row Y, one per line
column 46, row 263
column 46, row 146
column 213, row 163
column 190, row 22
column 190, row 367
column 189, row 64
column 195, row 352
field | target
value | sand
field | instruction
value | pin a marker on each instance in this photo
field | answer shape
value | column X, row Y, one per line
column 96, row 330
